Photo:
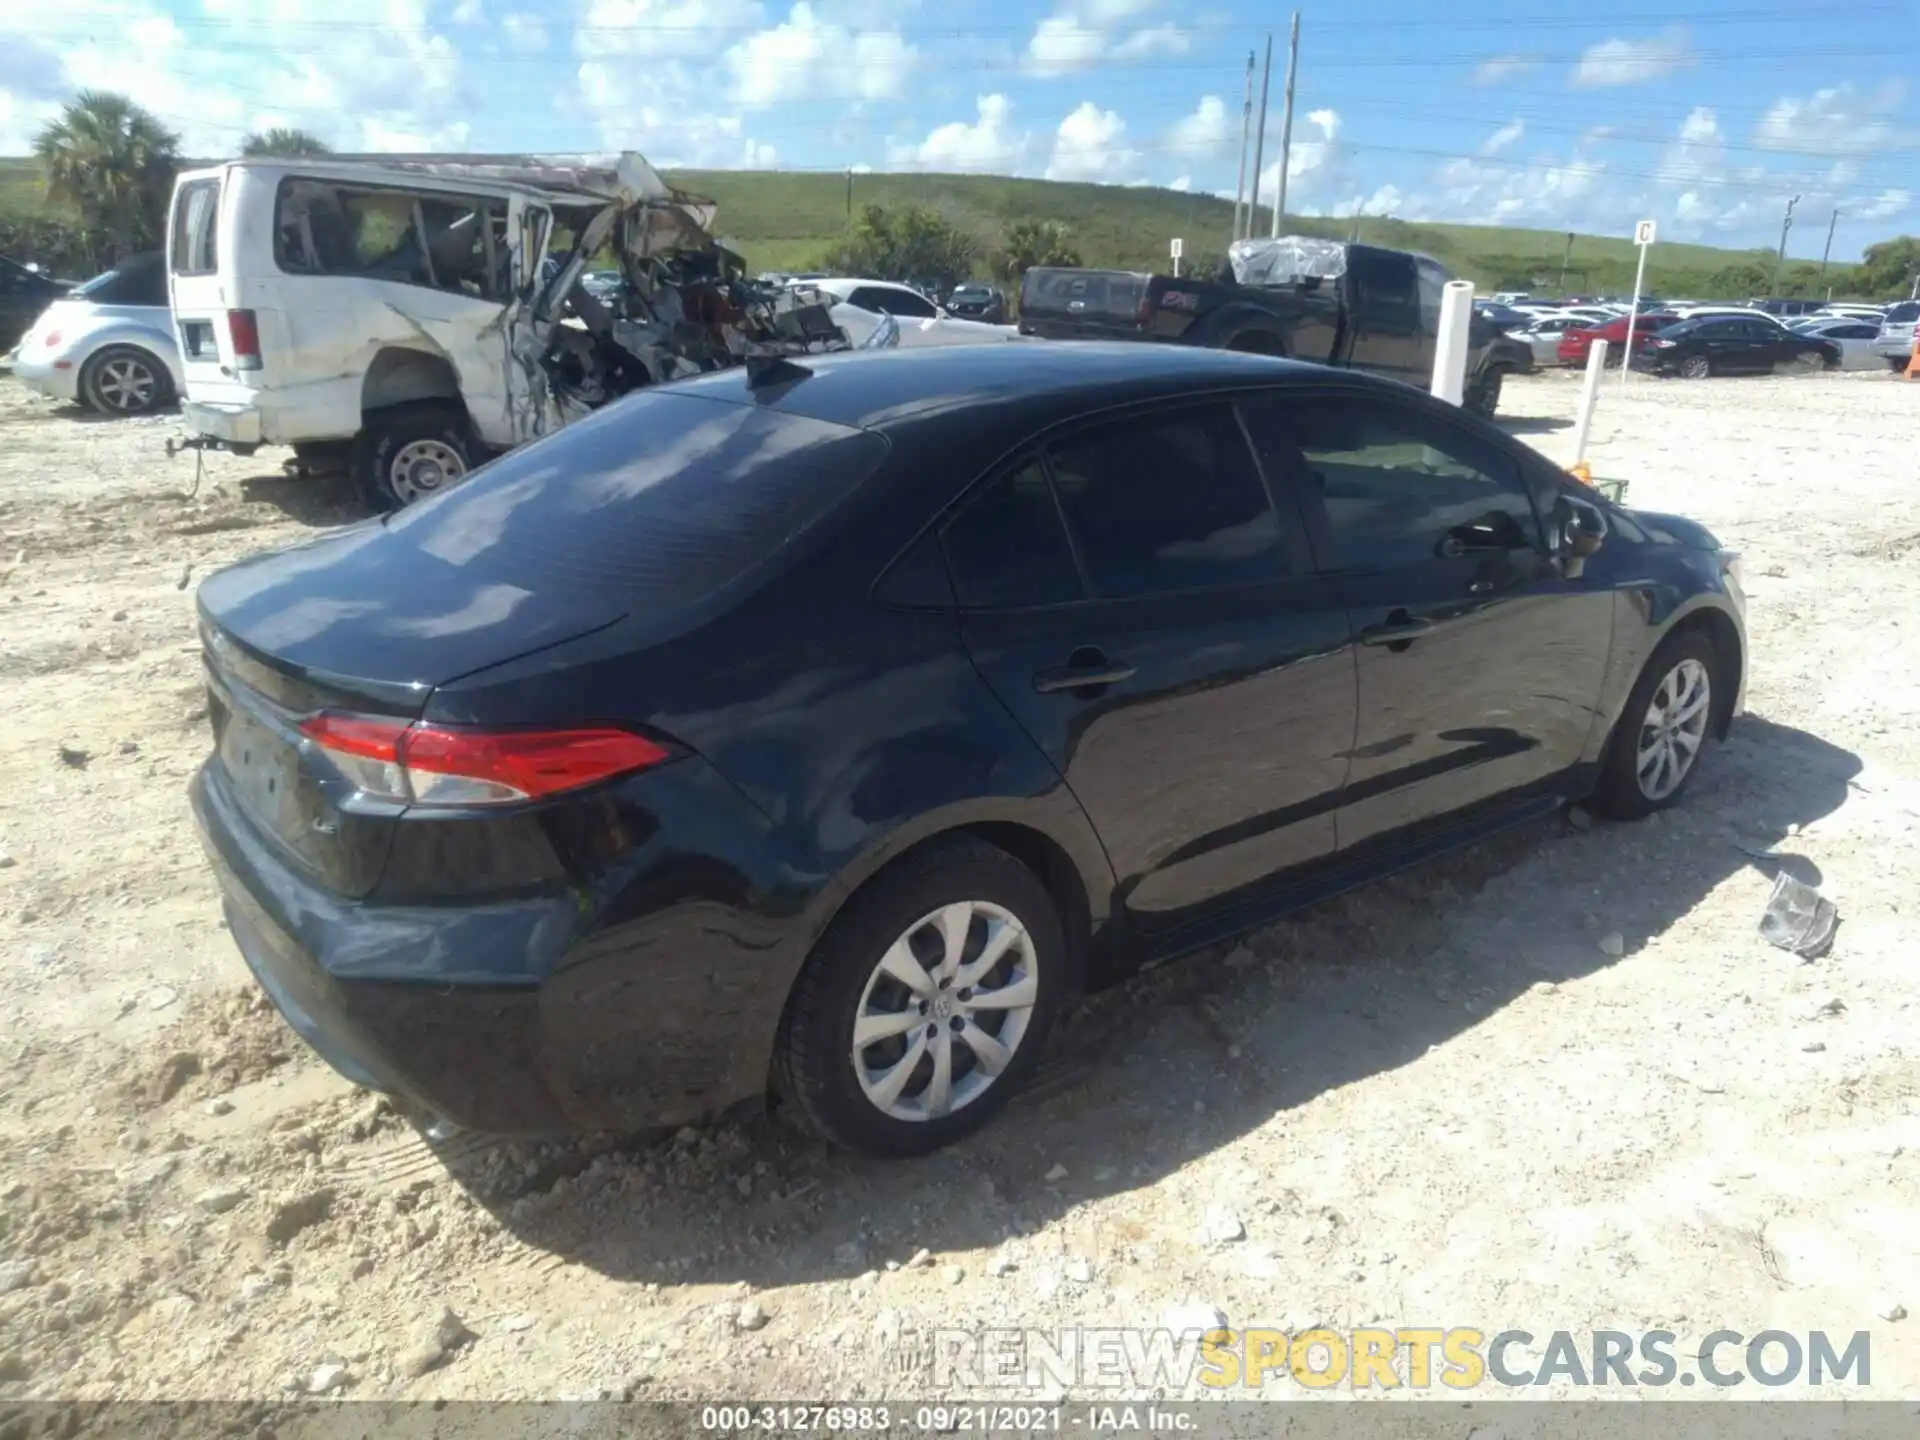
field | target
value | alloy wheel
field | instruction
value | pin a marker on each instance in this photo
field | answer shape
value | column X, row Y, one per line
column 125, row 385
column 421, row 467
column 1673, row 729
column 1696, row 367
column 944, row 1011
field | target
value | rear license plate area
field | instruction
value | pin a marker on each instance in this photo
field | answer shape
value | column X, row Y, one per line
column 262, row 769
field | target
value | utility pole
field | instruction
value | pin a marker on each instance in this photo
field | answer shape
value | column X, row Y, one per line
column 1829, row 250
column 1566, row 259
column 849, row 194
column 1286, row 126
column 1246, row 137
column 1780, row 258
column 1259, row 142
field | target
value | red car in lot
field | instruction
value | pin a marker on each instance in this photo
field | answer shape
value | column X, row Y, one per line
column 1575, row 344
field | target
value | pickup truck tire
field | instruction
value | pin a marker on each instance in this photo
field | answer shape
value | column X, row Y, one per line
column 407, row 452
column 1483, row 392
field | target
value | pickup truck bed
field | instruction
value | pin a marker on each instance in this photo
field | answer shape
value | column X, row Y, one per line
column 1379, row 313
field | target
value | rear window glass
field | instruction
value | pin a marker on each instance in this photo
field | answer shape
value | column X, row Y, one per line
column 196, row 222
column 664, row 498
column 1903, row 314
column 138, row 281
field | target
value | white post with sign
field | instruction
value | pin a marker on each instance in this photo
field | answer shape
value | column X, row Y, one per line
column 1177, row 247
column 1643, row 241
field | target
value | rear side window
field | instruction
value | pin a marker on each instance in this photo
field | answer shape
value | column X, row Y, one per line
column 1387, row 290
column 138, row 281
column 196, row 228
column 663, row 499
column 901, row 303
column 1168, row 503
column 456, row 243
column 1007, row 549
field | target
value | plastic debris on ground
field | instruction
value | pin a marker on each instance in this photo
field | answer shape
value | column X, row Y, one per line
column 1798, row 918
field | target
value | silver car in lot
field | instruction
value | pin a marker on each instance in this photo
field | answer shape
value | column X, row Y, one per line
column 1894, row 344
column 108, row 344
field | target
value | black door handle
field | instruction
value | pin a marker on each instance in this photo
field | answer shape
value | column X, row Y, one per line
column 1398, row 631
column 1086, row 668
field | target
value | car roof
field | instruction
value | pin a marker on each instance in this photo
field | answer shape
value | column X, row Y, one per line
column 880, row 389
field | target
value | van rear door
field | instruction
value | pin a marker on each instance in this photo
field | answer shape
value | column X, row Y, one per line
column 196, row 289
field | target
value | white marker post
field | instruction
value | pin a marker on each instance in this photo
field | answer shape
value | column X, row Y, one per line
column 1643, row 240
column 1589, row 395
column 1178, row 246
column 1450, row 345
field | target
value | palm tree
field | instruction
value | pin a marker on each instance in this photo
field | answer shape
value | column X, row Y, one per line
column 281, row 140
column 1031, row 243
column 113, row 163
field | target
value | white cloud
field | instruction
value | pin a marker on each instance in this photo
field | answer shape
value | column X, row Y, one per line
column 678, row 117
column 1182, row 183
column 1501, row 68
column 1316, row 166
column 989, row 145
column 1203, row 134
column 1699, row 152
column 524, row 31
column 1091, row 144
column 1504, row 137
column 1840, row 120
column 1632, row 62
column 1387, row 200
column 469, row 12
column 1883, row 206
column 806, row 57
column 1078, row 38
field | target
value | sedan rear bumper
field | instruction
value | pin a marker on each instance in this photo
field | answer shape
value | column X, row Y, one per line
column 46, row 378
column 524, row 1016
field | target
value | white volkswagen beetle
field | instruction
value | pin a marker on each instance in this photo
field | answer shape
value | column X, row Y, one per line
column 107, row 344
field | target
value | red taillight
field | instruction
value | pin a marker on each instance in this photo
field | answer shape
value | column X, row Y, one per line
column 243, row 335
column 50, row 339
column 423, row 764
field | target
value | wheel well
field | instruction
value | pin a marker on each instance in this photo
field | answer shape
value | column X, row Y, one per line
column 1256, row 342
column 403, row 377
column 1725, row 639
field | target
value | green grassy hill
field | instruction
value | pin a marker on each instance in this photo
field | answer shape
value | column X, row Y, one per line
column 784, row 220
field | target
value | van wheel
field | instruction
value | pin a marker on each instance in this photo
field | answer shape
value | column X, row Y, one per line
column 410, row 452
column 125, row 380
column 926, row 1004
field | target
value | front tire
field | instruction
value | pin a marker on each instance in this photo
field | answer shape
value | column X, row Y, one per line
column 926, row 1004
column 125, row 380
column 1655, row 748
column 408, row 452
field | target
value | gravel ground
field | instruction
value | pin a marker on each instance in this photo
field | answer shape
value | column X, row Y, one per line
column 1557, row 1081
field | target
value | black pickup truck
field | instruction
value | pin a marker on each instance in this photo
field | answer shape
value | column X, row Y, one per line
column 1380, row 313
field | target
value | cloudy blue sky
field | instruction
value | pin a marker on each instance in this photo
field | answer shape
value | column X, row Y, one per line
column 1522, row 112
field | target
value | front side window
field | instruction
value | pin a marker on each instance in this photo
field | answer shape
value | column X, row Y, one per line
column 1404, row 489
column 1168, row 503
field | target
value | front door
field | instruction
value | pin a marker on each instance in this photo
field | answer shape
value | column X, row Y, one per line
column 1137, row 601
column 1479, row 666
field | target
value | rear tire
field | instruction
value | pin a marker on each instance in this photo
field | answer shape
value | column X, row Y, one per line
column 1897, row 365
column 125, row 380
column 1696, row 367
column 1483, row 397
column 1635, row 779
column 408, row 452
column 1256, row 342
column 943, row 1032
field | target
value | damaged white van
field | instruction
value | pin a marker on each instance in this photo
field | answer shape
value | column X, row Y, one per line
column 412, row 315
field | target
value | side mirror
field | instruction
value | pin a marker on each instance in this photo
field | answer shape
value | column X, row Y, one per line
column 1582, row 529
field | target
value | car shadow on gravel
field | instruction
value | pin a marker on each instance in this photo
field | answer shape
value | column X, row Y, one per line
column 1531, row 424
column 322, row 501
column 1149, row 1076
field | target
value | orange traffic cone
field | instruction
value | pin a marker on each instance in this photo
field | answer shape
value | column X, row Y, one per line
column 1913, row 362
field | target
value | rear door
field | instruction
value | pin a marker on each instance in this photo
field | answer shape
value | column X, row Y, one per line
column 1479, row 667
column 1388, row 337
column 198, row 298
column 1134, row 597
